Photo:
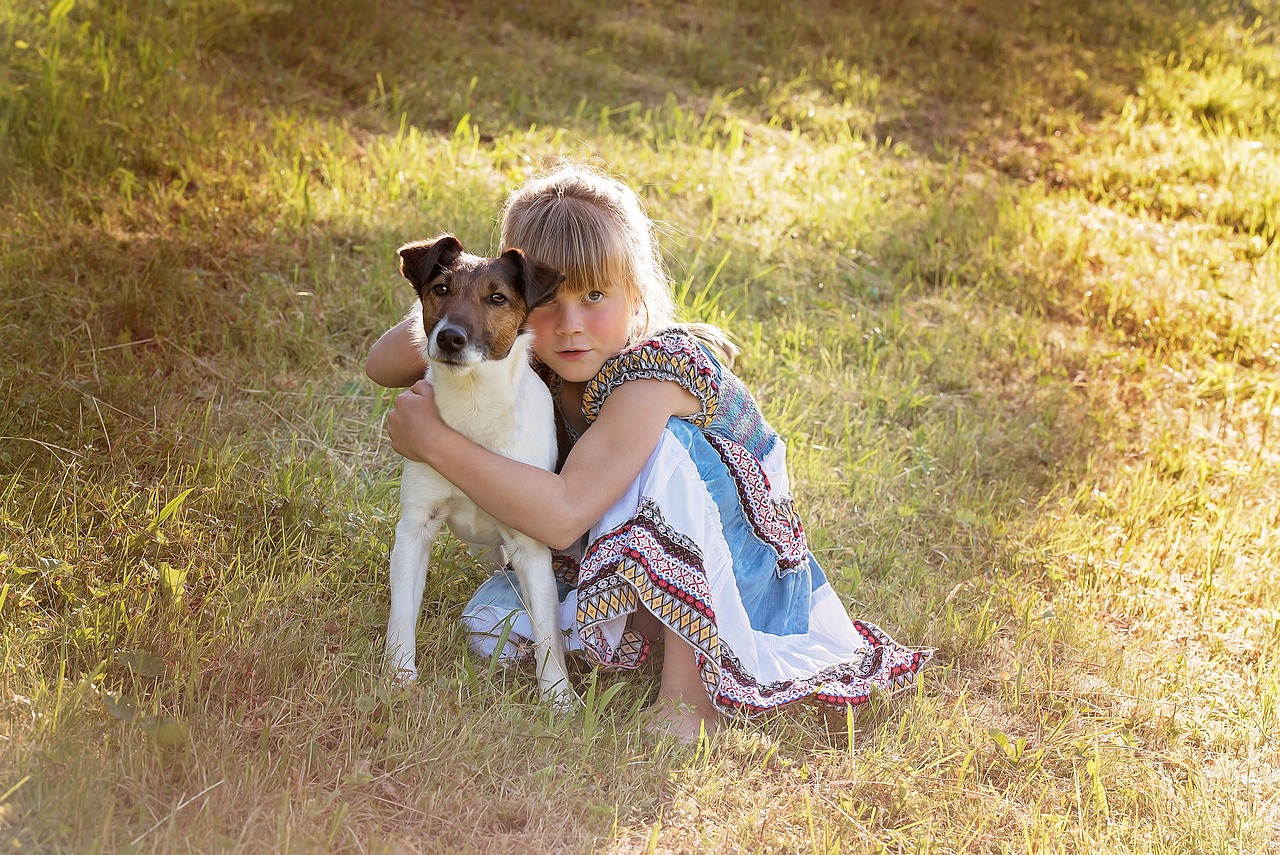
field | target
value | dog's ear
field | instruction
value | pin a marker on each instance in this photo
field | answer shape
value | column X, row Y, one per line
column 536, row 281
column 424, row 260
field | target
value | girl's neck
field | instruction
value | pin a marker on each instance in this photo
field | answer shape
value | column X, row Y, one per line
column 571, row 404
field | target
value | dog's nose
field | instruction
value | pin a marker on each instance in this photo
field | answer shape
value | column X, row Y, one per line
column 451, row 340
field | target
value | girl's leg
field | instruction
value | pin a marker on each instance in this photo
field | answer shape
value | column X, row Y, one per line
column 683, row 707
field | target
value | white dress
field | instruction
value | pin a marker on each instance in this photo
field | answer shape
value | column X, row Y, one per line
column 707, row 539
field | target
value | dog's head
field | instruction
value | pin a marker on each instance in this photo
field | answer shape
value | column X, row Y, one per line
column 473, row 308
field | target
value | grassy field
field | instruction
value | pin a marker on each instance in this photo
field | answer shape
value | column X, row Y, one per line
column 1006, row 277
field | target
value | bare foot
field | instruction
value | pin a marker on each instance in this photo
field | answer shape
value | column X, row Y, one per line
column 684, row 708
column 685, row 722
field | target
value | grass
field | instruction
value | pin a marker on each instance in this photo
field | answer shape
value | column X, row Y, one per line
column 1005, row 277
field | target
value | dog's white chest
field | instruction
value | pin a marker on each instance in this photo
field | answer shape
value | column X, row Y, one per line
column 520, row 427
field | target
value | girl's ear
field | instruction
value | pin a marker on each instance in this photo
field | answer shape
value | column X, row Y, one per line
column 639, row 321
column 536, row 281
column 424, row 260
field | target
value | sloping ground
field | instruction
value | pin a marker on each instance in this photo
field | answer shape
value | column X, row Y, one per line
column 1005, row 277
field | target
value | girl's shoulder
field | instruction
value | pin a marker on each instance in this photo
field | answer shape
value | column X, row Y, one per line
column 673, row 354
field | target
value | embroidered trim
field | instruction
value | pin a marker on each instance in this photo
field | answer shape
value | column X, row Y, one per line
column 775, row 523
column 544, row 372
column 645, row 561
column 669, row 355
column 886, row 667
column 565, row 567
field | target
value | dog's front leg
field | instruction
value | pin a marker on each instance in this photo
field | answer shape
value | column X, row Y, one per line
column 532, row 563
column 414, row 535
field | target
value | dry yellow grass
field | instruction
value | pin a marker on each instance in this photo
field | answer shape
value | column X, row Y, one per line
column 1005, row 276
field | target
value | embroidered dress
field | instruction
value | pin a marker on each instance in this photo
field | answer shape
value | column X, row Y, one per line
column 707, row 539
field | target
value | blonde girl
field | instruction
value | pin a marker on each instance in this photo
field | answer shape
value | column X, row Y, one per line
column 672, row 505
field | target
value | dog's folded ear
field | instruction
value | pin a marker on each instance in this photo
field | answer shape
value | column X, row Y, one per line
column 424, row 260
column 538, row 281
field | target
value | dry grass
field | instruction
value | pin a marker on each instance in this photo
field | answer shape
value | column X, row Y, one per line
column 1005, row 277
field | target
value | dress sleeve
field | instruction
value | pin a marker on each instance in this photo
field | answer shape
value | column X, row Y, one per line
column 673, row 355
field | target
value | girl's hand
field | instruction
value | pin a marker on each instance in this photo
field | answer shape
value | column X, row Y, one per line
column 414, row 420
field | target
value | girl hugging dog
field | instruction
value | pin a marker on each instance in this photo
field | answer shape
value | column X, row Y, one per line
column 671, row 508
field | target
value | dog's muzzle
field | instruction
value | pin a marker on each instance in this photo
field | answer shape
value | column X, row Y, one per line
column 450, row 340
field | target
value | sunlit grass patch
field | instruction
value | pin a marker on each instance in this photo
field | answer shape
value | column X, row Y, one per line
column 1005, row 279
column 1164, row 284
column 1162, row 168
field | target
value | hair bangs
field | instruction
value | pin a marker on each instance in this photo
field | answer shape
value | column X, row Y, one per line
column 599, row 273
column 572, row 236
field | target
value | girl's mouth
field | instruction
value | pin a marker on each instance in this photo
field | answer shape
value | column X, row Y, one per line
column 572, row 354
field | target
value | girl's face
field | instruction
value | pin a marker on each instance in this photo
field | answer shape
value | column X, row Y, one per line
column 575, row 335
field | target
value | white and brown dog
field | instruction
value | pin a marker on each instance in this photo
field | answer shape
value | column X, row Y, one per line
column 472, row 335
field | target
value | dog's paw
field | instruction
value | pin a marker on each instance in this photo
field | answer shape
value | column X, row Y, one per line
column 403, row 676
column 561, row 697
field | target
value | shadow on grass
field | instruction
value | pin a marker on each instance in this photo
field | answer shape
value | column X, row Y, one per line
column 157, row 315
column 935, row 74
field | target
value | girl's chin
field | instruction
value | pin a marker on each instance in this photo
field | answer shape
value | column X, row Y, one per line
column 578, row 373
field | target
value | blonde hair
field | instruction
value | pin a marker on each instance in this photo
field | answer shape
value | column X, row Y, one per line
column 594, row 229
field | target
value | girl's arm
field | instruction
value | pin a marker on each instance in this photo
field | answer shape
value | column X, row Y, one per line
column 555, row 509
column 394, row 360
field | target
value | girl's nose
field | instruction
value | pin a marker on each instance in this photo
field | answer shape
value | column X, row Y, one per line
column 570, row 321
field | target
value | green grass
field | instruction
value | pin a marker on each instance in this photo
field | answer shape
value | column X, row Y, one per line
column 1006, row 278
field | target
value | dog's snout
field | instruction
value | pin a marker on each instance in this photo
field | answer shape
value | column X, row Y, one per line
column 451, row 339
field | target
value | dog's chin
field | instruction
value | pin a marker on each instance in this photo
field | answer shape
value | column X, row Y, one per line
column 467, row 360
column 464, row 361
column 454, row 362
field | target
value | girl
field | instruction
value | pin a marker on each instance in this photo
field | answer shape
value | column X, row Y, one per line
column 672, row 474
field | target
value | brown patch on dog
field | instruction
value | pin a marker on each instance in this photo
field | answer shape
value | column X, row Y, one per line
column 484, row 302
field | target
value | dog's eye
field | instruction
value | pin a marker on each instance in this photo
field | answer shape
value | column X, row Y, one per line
column 497, row 299
column 440, row 290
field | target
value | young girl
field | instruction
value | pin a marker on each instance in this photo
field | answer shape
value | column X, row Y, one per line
column 680, row 486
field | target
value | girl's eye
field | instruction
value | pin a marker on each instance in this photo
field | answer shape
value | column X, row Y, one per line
column 593, row 296
column 440, row 290
column 497, row 299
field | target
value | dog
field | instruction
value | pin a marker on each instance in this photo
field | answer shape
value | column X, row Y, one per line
column 472, row 335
